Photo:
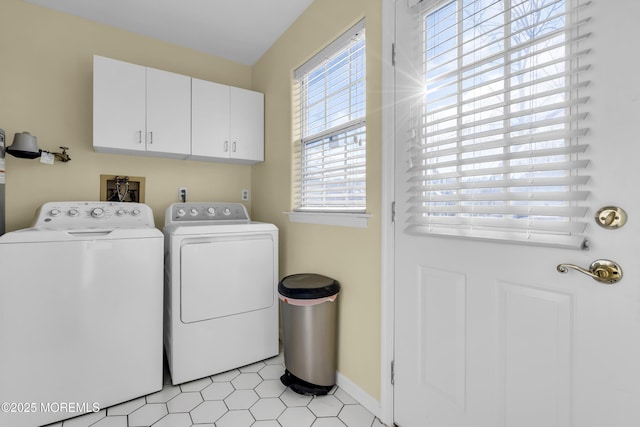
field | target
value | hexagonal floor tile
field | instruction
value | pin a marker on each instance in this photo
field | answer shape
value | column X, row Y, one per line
column 267, row 409
column 208, row 411
column 325, row 406
column 246, row 381
column 126, row 408
column 174, row 420
column 117, row 421
column 267, row 423
column 328, row 422
column 225, row 376
column 344, row 397
column 236, row 419
column 241, row 399
column 291, row 398
column 184, row 402
column 196, row 385
column 148, row 414
column 356, row 416
column 271, row 372
column 254, row 367
column 270, row 388
column 85, row 420
column 296, row 417
column 217, row 391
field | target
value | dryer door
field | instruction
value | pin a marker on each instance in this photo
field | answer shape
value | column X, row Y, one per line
column 226, row 275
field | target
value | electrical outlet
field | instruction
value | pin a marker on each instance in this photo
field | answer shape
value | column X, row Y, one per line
column 182, row 195
column 245, row 195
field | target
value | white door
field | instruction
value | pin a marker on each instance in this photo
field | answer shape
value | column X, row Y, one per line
column 490, row 334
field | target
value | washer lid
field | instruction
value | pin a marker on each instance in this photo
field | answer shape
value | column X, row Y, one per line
column 308, row 286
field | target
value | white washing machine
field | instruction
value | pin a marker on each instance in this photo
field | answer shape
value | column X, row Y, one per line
column 80, row 311
column 221, row 275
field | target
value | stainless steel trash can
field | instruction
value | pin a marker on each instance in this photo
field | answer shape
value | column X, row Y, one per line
column 308, row 309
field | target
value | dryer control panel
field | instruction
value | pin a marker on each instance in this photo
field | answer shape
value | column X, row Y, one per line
column 212, row 212
column 75, row 215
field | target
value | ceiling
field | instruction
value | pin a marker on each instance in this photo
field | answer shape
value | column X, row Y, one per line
column 238, row 30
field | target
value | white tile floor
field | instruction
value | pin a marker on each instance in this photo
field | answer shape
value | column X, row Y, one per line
column 251, row 396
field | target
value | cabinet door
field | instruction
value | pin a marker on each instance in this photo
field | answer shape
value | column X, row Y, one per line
column 246, row 127
column 118, row 105
column 168, row 113
column 209, row 120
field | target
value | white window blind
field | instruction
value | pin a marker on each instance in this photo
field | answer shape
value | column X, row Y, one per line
column 496, row 148
column 330, row 128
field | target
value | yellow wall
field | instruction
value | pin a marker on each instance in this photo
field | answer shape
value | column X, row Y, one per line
column 350, row 255
column 46, row 89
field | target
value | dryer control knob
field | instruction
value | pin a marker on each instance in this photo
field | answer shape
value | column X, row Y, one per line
column 73, row 212
column 54, row 212
column 135, row 212
column 211, row 211
column 97, row 212
column 226, row 211
column 120, row 212
column 193, row 211
column 180, row 212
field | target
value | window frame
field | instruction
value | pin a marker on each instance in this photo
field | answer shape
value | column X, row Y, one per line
column 346, row 214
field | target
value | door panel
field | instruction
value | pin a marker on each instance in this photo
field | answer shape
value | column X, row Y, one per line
column 489, row 334
column 534, row 355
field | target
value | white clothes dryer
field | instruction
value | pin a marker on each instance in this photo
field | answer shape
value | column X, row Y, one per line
column 221, row 276
column 80, row 311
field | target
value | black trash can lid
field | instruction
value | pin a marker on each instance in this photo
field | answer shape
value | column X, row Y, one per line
column 308, row 286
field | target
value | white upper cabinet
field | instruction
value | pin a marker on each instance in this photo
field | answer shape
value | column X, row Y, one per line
column 209, row 120
column 227, row 123
column 145, row 111
column 119, row 106
column 140, row 110
column 168, row 113
column 246, row 124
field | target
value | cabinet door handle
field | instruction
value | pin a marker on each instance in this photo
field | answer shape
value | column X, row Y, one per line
column 139, row 137
column 234, row 147
column 150, row 137
column 226, row 146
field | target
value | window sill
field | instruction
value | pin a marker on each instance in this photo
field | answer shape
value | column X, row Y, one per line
column 356, row 220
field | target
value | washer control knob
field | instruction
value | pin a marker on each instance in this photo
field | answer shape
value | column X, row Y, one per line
column 180, row 212
column 73, row 212
column 54, row 212
column 120, row 212
column 135, row 212
column 211, row 211
column 97, row 212
column 193, row 211
column 226, row 211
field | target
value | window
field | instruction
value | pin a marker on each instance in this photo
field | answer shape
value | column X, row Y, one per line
column 497, row 148
column 330, row 133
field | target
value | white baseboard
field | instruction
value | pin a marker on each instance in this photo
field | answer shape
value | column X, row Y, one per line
column 363, row 398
